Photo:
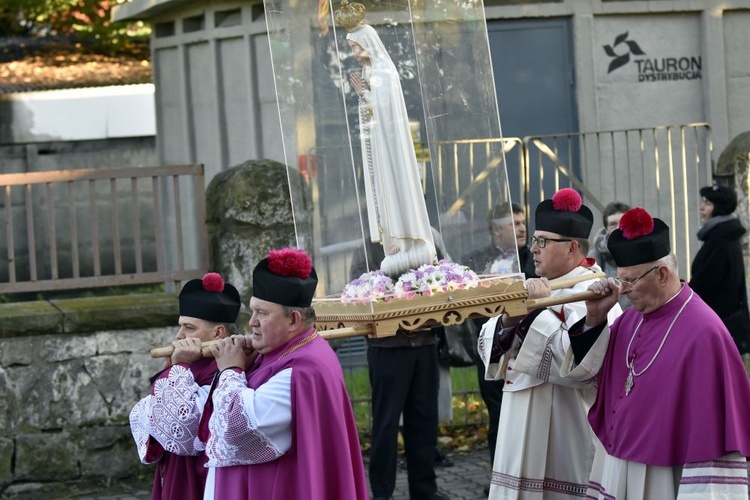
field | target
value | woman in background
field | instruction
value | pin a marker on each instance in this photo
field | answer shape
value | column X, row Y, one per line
column 718, row 270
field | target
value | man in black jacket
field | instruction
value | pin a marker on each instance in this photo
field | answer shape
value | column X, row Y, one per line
column 404, row 377
column 506, row 224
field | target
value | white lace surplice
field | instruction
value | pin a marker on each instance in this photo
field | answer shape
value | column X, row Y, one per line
column 170, row 415
column 250, row 426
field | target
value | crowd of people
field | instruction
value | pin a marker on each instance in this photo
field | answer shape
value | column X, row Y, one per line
column 592, row 400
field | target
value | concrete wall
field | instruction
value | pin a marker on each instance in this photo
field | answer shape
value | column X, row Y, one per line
column 44, row 156
column 215, row 92
column 69, row 155
column 689, row 28
column 214, row 86
column 736, row 42
column 77, row 114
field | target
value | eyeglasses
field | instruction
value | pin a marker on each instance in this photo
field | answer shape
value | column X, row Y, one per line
column 631, row 284
column 541, row 241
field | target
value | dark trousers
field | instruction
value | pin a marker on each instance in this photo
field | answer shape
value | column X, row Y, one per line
column 492, row 395
column 404, row 379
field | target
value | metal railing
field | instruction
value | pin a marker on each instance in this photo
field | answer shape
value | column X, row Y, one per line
column 659, row 168
column 72, row 229
column 470, row 178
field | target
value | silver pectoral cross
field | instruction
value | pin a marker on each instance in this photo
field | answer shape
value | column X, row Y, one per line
column 629, row 381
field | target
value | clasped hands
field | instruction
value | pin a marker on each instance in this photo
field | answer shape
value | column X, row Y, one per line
column 358, row 83
column 236, row 350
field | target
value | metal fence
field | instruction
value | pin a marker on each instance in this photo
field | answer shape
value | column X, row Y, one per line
column 72, row 229
column 112, row 227
column 658, row 168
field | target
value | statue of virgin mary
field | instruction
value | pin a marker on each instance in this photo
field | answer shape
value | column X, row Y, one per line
column 397, row 213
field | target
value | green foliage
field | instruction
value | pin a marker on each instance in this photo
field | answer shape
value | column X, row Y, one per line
column 84, row 20
column 467, row 430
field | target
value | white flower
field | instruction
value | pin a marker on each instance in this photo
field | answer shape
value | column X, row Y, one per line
column 370, row 286
column 430, row 279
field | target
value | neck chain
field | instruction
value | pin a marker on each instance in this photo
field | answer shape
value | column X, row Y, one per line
column 631, row 363
column 299, row 344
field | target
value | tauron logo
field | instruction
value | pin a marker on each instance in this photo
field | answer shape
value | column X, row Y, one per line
column 621, row 60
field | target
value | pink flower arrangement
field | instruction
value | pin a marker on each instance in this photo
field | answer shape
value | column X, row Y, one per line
column 371, row 286
column 426, row 280
column 430, row 279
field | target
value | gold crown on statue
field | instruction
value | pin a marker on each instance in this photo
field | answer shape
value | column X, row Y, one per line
column 350, row 16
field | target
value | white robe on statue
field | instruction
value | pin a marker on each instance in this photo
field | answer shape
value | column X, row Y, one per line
column 545, row 446
column 397, row 213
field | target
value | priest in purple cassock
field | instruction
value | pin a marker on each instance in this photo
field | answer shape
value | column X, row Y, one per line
column 672, row 411
column 281, row 426
column 208, row 311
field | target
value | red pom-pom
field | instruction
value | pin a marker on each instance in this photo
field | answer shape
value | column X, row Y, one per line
column 212, row 282
column 290, row 262
column 635, row 223
column 567, row 199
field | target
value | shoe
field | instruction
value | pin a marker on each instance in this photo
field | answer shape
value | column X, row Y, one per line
column 442, row 460
column 438, row 495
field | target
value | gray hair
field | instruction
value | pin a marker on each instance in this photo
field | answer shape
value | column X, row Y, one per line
column 612, row 208
column 669, row 261
column 583, row 245
column 307, row 313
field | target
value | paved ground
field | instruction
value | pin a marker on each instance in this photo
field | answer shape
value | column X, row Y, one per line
column 465, row 480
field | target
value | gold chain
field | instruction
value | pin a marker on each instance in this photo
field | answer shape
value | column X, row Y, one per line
column 299, row 344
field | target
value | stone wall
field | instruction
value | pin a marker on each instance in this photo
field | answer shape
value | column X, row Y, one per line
column 70, row 372
column 249, row 212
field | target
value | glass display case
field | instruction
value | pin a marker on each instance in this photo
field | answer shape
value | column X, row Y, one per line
column 389, row 111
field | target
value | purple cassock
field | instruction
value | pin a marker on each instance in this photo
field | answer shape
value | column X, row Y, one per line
column 692, row 404
column 325, row 459
column 180, row 476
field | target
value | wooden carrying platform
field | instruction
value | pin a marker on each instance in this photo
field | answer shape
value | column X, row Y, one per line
column 493, row 296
